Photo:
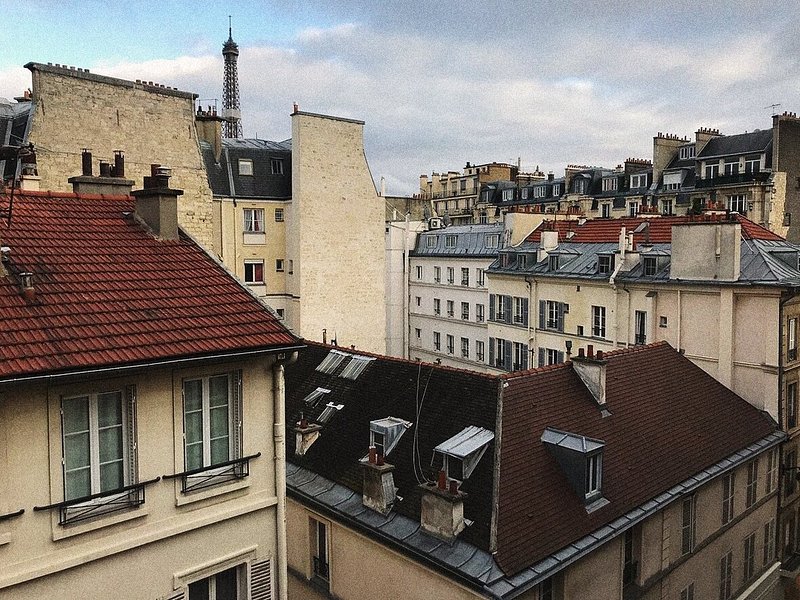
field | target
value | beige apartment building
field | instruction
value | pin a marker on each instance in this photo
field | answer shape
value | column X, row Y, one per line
column 141, row 407
column 557, row 483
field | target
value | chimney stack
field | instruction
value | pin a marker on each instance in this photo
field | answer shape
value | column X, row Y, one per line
column 111, row 180
column 442, row 508
column 378, row 492
column 592, row 371
column 157, row 203
column 305, row 435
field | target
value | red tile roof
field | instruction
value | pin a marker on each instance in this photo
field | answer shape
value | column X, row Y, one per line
column 669, row 420
column 660, row 229
column 108, row 293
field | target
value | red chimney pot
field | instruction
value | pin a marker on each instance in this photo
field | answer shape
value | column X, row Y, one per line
column 442, row 480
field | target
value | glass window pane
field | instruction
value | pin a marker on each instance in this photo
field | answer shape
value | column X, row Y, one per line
column 194, row 456
column 109, row 409
column 194, row 427
column 111, row 476
column 219, row 421
column 193, row 394
column 226, row 585
column 218, row 390
column 77, row 484
column 220, row 450
column 76, row 414
column 199, row 590
column 110, row 440
column 76, row 450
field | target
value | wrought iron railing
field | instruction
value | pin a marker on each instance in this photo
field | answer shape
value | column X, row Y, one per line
column 320, row 568
column 87, row 507
column 11, row 515
column 759, row 177
column 203, row 477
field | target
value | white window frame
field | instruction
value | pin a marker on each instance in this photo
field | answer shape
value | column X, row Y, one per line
column 451, row 344
column 450, row 240
column 480, row 351
column 594, row 474
column 251, row 272
column 279, row 215
column 465, row 311
column 234, row 427
column 464, row 347
column 599, row 322
column 605, row 209
column 437, row 306
column 253, row 220
column 610, row 184
column 437, row 274
column 245, row 166
column 737, row 203
column 451, row 275
column 464, row 275
column 731, row 167
column 430, row 241
column 688, row 524
column 451, row 308
column 419, row 272
column 480, row 277
column 492, row 240
column 276, row 166
column 728, row 495
column 211, row 583
column 480, row 313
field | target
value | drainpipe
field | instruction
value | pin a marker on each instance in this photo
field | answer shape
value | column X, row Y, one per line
column 533, row 313
column 279, row 441
column 406, row 292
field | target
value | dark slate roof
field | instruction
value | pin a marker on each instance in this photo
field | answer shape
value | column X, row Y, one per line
column 470, row 242
column 109, row 294
column 647, row 450
column 224, row 178
column 742, row 143
column 14, row 122
column 423, row 394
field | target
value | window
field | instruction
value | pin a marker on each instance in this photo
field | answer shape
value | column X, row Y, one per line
column 650, row 266
column 725, row 575
column 727, row 498
column 640, row 327
column 610, row 184
column 752, row 164
column 769, row 542
column 254, row 220
column 450, row 241
column 508, row 194
column 605, row 263
column 492, row 240
column 280, row 312
column 731, row 166
column 254, row 271
column 638, row 181
column 629, row 565
column 226, row 585
column 279, row 265
column 578, row 186
column 418, row 332
column 479, row 351
column 687, row 152
column 550, row 356
column 556, row 190
column 520, row 356
column 430, row 241
column 437, row 340
column 463, row 185
column 501, row 307
column 540, row 191
column 437, row 306
column 772, row 471
column 662, row 321
column 605, row 210
column 210, row 420
column 418, row 300
column 594, row 472
column 465, row 311
column 479, row 313
column 279, row 215
column 791, row 405
column 738, row 203
column 552, row 262
column 480, row 277
column 464, row 347
column 502, row 353
column 687, row 593
column 464, row 276
column 522, row 261
column 666, row 206
column 599, row 321
column 551, row 315
column 752, row 483
column 97, row 443
column 790, row 467
column 521, row 311
column 437, row 274
column 451, row 275
column 688, row 524
column 712, row 171
column 419, row 272
column 749, row 556
column 791, row 333
column 451, row 344
column 321, row 568
column 245, row 166
column 546, row 590
column 276, row 166
column 484, row 218
column 450, row 308
column 633, row 209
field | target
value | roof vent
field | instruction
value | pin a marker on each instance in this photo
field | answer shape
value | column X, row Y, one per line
column 26, row 286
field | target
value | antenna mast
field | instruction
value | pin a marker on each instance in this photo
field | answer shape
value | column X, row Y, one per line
column 231, row 112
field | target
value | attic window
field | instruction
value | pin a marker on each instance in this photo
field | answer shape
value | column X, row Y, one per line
column 459, row 455
column 450, row 241
column 581, row 460
column 355, row 367
column 430, row 241
column 552, row 262
column 330, row 410
column 492, row 240
column 384, row 434
column 605, row 263
column 314, row 397
column 245, row 166
column 650, row 266
column 333, row 360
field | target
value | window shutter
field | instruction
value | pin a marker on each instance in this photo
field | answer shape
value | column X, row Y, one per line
column 508, row 357
column 542, row 314
column 130, row 409
column 261, row 580
column 491, row 307
column 560, row 357
column 560, row 316
column 236, row 411
column 491, row 351
column 524, row 356
column 509, row 305
column 542, row 357
column 525, row 312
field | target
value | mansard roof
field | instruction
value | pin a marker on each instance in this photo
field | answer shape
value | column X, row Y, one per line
column 471, row 241
column 742, row 143
column 227, row 182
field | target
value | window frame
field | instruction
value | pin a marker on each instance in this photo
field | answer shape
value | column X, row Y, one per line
column 464, row 275
column 688, row 524
column 480, row 350
column 728, row 496
column 464, row 347
column 725, row 575
column 594, row 475
column 465, row 311
column 599, row 322
column 251, row 272
column 234, row 419
column 752, row 483
column 253, row 220
column 276, row 166
column 245, row 167
column 279, row 215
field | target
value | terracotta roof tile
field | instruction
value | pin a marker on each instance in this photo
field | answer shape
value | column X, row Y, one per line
column 108, row 293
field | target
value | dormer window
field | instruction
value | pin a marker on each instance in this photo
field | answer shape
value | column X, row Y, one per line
column 430, row 241
column 540, row 191
column 605, row 263
column 245, row 166
column 752, row 164
column 384, row 434
column 459, row 455
column 650, row 266
column 492, row 240
column 594, row 474
column 450, row 241
column 638, row 181
column 556, row 190
column 610, row 184
column 581, row 461
column 522, row 261
column 687, row 152
column 579, row 186
column 508, row 195
column 731, row 166
column 552, row 262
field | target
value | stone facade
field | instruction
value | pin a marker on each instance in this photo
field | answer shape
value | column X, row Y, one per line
column 150, row 123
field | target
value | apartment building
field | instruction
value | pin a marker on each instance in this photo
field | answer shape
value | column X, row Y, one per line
column 139, row 387
column 448, row 298
column 565, row 482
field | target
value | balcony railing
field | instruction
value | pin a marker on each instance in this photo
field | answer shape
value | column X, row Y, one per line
column 203, row 477
column 321, row 568
column 11, row 515
column 102, row 503
column 760, row 177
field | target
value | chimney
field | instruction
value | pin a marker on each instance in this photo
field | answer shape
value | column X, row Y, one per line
column 305, row 435
column 379, row 492
column 442, row 508
column 111, row 180
column 29, row 179
column 592, row 371
column 26, row 287
column 209, row 129
column 157, row 203
column 5, row 258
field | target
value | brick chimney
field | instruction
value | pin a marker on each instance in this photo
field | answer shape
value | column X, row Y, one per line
column 305, row 434
column 442, row 508
column 379, row 492
column 592, row 371
column 157, row 203
column 111, row 180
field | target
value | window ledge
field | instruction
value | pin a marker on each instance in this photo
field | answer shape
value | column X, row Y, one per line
column 182, row 499
column 61, row 532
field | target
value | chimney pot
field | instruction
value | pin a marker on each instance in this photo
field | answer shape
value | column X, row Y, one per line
column 119, row 164
column 580, row 352
column 442, row 482
column 453, row 487
column 379, row 460
column 590, row 350
column 105, row 168
column 599, row 355
column 373, row 454
column 86, row 163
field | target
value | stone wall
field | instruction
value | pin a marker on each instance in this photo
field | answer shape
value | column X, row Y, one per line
column 75, row 109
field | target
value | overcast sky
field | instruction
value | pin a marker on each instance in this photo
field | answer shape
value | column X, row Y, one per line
column 442, row 83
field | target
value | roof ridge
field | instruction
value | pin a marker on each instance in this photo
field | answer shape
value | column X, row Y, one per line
column 57, row 194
